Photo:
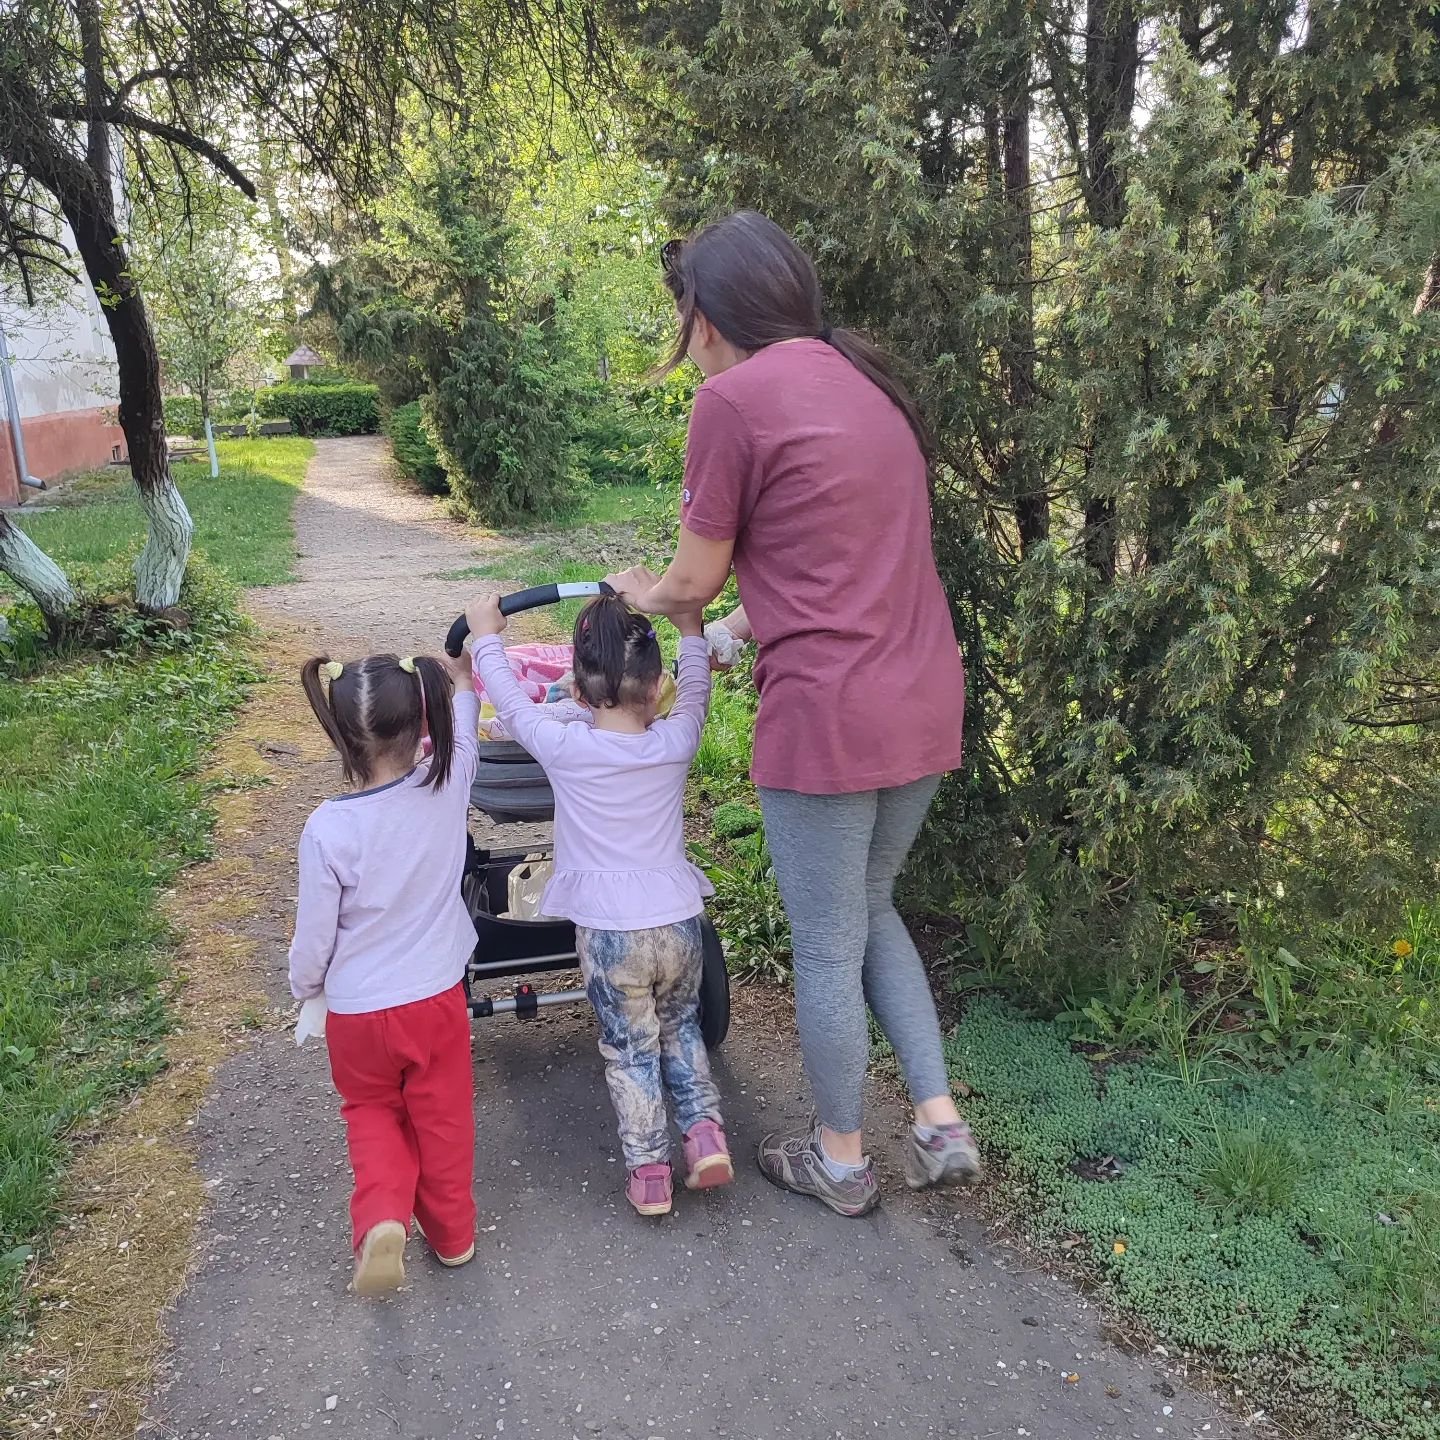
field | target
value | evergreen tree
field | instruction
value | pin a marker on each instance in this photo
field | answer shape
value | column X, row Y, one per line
column 1181, row 373
column 424, row 301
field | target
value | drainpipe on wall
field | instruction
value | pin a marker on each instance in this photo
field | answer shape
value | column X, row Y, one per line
column 12, row 408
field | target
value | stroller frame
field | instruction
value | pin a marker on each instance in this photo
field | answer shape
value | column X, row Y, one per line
column 510, row 787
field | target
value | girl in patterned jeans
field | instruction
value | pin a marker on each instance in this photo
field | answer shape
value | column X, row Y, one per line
column 621, row 874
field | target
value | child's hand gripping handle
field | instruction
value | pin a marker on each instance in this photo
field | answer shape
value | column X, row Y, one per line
column 527, row 600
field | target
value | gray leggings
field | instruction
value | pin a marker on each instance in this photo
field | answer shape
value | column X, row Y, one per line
column 836, row 859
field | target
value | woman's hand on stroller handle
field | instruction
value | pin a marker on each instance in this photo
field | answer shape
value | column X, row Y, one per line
column 634, row 584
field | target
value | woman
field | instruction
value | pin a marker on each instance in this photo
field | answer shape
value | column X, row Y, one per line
column 806, row 469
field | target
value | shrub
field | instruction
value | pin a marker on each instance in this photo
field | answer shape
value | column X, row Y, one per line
column 182, row 416
column 611, row 439
column 414, row 452
column 501, row 420
column 735, row 819
column 236, row 406
column 323, row 409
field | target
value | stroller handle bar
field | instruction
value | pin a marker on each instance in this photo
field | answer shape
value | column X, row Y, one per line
column 531, row 599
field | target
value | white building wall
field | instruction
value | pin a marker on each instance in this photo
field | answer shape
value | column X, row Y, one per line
column 62, row 358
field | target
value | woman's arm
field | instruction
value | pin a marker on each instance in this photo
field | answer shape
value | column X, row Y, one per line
column 693, row 579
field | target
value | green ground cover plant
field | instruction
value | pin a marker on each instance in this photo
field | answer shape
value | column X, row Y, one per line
column 1281, row 1223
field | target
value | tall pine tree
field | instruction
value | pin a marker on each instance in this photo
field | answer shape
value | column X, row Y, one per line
column 1164, row 280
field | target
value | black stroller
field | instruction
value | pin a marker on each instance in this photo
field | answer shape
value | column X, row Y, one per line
column 512, row 789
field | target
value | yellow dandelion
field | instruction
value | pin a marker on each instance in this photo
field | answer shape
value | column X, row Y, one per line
column 1119, row 1247
column 1403, row 948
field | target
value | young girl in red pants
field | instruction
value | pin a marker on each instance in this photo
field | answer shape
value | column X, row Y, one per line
column 382, row 933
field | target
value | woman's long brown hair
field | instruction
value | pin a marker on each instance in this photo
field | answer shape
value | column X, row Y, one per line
column 377, row 709
column 756, row 286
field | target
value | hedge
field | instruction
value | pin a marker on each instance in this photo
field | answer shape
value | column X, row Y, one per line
column 323, row 409
column 413, row 451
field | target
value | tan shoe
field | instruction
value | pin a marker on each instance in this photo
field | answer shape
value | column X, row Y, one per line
column 380, row 1264
column 451, row 1262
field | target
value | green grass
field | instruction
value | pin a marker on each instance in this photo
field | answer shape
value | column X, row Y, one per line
column 242, row 519
column 1284, row 1223
column 616, row 504
column 598, row 538
column 100, row 808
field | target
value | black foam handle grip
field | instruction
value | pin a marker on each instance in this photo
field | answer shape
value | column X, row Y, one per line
column 531, row 599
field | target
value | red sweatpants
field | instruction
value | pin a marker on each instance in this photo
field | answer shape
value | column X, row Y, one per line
column 406, row 1096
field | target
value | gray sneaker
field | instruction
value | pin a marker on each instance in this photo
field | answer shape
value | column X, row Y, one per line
column 793, row 1161
column 948, row 1157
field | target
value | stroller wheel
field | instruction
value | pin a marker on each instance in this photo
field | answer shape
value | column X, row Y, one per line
column 714, row 988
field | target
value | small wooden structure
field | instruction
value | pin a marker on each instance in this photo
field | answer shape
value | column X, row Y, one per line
column 302, row 362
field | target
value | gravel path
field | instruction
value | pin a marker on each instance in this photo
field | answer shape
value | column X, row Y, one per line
column 373, row 556
column 746, row 1315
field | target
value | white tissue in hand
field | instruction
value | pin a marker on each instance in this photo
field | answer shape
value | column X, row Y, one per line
column 725, row 646
column 312, row 1019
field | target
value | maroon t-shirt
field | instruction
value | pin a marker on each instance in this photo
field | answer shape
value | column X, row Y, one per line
column 815, row 474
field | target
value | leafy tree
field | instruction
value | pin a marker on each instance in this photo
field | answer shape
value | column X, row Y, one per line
column 169, row 85
column 1179, row 365
column 426, row 301
column 207, row 288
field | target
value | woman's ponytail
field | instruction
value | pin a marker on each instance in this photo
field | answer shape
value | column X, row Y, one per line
column 436, row 690
column 875, row 366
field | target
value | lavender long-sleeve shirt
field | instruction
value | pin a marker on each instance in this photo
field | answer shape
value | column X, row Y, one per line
column 380, row 921
column 620, row 861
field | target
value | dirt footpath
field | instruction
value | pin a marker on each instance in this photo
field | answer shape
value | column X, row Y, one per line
column 746, row 1315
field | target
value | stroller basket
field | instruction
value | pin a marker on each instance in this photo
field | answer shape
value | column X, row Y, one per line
column 510, row 786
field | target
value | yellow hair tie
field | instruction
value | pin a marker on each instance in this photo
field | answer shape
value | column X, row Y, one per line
column 407, row 664
column 332, row 670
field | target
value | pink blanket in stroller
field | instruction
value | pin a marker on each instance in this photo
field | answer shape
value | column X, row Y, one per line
column 536, row 667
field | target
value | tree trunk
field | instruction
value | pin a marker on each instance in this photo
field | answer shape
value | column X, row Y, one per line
column 161, row 567
column 275, row 224
column 1032, row 505
column 1112, row 60
column 36, row 574
column 160, row 570
column 87, row 201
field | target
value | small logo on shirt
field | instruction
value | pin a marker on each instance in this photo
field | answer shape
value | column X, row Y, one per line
column 685, row 495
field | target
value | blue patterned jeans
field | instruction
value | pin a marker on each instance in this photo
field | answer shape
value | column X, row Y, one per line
column 645, row 987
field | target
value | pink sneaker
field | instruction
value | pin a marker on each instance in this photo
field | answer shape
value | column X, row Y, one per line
column 648, row 1189
column 707, row 1157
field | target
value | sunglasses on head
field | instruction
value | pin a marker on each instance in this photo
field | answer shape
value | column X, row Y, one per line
column 670, row 255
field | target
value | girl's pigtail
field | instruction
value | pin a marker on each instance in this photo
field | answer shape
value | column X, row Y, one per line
column 322, row 703
column 602, row 637
column 436, row 689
